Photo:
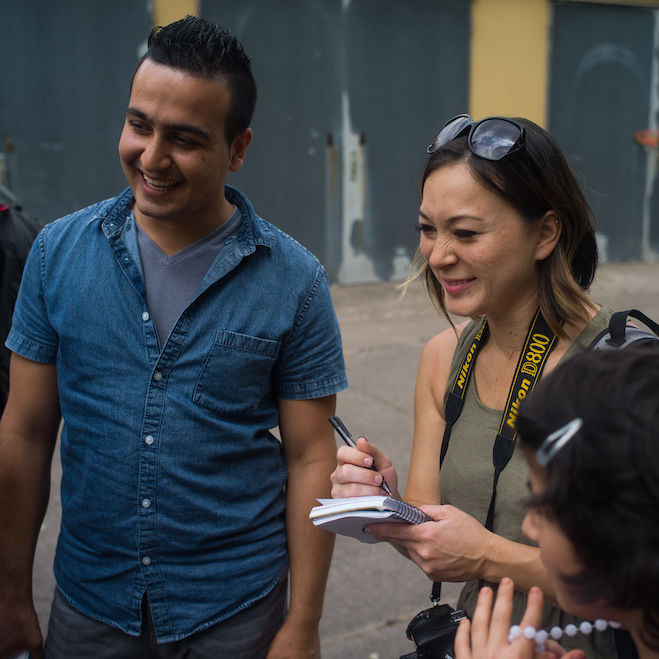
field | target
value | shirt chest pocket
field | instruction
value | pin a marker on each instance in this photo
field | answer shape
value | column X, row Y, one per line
column 236, row 373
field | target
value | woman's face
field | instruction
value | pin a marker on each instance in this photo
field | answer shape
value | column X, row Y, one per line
column 558, row 555
column 480, row 249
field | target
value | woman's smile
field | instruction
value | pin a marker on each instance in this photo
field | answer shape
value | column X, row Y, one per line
column 456, row 286
column 476, row 242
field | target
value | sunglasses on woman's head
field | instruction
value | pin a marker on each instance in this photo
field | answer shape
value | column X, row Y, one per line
column 492, row 138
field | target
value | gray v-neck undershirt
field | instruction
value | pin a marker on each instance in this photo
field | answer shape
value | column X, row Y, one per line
column 172, row 281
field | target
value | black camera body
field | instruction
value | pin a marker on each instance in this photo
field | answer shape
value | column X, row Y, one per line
column 433, row 632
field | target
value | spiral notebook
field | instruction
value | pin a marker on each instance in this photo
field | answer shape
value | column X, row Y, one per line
column 349, row 516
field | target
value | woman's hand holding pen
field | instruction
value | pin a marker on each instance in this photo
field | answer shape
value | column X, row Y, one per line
column 354, row 475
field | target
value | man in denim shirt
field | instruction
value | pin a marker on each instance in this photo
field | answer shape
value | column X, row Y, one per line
column 172, row 328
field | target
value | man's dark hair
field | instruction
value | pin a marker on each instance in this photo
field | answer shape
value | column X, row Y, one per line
column 602, row 488
column 202, row 48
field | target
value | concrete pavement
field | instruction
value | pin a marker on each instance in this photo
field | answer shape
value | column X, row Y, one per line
column 372, row 591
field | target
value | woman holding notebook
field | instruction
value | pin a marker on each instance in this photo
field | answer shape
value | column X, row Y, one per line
column 507, row 239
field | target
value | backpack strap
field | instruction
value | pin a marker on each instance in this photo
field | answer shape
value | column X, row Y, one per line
column 620, row 335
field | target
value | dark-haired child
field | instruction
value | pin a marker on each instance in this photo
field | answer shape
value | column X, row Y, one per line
column 590, row 434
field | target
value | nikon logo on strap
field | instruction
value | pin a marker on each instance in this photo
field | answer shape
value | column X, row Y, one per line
column 539, row 342
column 536, row 354
column 525, row 387
column 463, row 373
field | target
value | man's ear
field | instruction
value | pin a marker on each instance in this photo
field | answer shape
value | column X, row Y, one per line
column 549, row 233
column 238, row 149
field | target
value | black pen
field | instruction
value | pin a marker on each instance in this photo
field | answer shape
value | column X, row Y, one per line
column 339, row 426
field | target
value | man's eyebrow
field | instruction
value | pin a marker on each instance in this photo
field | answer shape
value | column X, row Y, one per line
column 184, row 128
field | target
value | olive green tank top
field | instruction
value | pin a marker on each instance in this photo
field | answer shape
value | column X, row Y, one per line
column 467, row 476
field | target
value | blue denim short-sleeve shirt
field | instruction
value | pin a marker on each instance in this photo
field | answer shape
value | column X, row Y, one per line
column 172, row 482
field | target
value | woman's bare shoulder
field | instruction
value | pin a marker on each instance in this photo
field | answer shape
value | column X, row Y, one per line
column 445, row 341
column 437, row 355
column 431, row 383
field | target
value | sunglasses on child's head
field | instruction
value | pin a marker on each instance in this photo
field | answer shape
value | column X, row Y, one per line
column 492, row 138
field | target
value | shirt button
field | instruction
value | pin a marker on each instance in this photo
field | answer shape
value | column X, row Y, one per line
column 146, row 560
column 157, row 376
column 145, row 316
column 149, row 439
column 146, row 503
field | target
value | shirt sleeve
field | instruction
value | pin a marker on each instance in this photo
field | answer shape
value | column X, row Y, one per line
column 31, row 334
column 311, row 363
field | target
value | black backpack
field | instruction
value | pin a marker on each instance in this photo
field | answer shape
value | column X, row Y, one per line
column 621, row 335
column 17, row 233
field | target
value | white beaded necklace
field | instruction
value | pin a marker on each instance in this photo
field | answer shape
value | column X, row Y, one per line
column 556, row 633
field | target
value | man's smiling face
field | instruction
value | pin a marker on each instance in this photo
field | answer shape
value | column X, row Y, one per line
column 173, row 147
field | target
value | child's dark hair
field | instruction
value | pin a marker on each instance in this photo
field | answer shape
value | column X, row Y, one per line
column 602, row 487
column 202, row 48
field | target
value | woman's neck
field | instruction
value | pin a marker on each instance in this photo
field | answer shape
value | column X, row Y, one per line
column 508, row 331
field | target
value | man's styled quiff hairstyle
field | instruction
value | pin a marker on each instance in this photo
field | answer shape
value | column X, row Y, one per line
column 202, row 48
column 601, row 488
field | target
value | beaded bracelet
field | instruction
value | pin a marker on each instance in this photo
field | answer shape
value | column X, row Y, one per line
column 556, row 633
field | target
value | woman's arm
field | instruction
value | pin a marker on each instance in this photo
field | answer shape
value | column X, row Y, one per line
column 455, row 547
column 353, row 476
column 429, row 423
column 432, row 376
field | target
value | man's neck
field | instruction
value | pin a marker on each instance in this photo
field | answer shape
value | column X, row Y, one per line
column 172, row 236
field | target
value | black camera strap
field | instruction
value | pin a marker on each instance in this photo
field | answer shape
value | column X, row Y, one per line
column 540, row 340
column 456, row 395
